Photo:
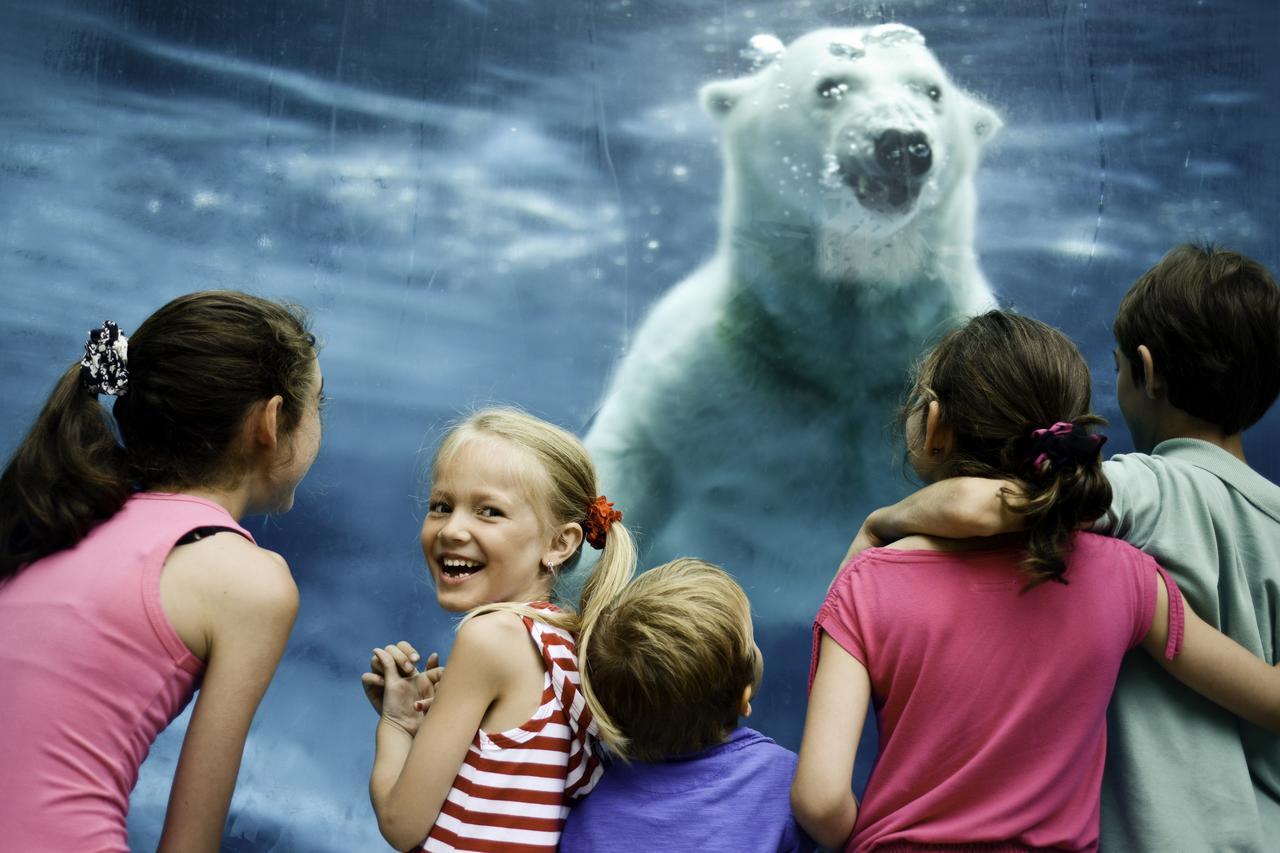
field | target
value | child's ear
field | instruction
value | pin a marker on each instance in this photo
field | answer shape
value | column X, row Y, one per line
column 1151, row 385
column 939, row 438
column 744, row 709
column 565, row 541
column 262, row 424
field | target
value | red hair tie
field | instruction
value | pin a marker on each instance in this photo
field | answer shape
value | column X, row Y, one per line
column 600, row 514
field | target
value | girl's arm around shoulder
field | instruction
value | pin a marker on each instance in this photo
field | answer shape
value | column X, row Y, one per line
column 1214, row 665
column 954, row 508
column 821, row 797
column 412, row 774
column 240, row 605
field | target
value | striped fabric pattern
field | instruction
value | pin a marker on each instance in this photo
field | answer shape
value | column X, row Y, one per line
column 514, row 788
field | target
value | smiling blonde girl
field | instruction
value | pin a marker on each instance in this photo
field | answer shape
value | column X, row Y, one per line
column 489, row 758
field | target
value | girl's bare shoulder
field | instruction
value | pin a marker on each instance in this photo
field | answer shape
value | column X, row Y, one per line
column 496, row 640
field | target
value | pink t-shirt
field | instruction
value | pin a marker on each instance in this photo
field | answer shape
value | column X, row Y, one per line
column 90, row 671
column 991, row 701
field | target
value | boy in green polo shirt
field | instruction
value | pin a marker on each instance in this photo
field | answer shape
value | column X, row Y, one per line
column 1198, row 362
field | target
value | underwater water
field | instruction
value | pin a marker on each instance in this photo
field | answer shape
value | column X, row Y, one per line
column 478, row 201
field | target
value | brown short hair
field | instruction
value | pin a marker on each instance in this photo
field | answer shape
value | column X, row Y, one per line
column 1211, row 319
column 670, row 658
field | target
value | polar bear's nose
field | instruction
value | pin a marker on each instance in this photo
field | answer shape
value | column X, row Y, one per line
column 904, row 153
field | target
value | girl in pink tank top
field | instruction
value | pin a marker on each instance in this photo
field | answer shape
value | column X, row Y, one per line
column 490, row 758
column 990, row 663
column 127, row 555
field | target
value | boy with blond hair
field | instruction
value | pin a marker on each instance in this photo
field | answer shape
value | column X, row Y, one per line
column 1197, row 362
column 671, row 665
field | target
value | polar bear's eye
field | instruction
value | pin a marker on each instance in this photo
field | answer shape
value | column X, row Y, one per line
column 831, row 89
column 932, row 91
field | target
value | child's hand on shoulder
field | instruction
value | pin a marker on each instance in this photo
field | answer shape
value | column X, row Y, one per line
column 400, row 661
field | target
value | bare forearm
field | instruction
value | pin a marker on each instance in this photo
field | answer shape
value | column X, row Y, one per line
column 399, row 818
column 956, row 508
column 391, row 749
column 197, row 812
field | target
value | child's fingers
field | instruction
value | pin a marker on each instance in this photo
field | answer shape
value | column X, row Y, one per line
column 435, row 674
column 404, row 654
column 390, row 671
column 401, row 657
column 409, row 651
column 401, row 652
column 433, row 661
column 374, row 687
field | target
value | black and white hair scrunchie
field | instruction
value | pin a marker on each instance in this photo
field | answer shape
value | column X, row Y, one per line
column 105, row 366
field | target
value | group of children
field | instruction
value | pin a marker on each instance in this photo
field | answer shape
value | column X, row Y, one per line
column 988, row 625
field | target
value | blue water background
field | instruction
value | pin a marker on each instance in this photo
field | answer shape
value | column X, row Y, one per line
column 478, row 200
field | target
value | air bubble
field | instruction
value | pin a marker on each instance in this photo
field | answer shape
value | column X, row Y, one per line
column 762, row 49
column 894, row 35
column 846, row 50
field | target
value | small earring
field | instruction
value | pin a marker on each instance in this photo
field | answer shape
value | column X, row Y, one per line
column 935, row 451
column 551, row 567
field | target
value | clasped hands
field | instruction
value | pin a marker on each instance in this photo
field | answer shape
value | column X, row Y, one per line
column 397, row 689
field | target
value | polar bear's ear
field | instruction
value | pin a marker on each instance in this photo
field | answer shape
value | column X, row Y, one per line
column 721, row 96
column 985, row 121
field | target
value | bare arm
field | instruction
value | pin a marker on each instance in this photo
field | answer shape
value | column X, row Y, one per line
column 1216, row 666
column 821, row 796
column 248, row 600
column 955, row 508
column 414, row 770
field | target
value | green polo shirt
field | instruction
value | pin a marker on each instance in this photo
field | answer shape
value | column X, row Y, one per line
column 1182, row 774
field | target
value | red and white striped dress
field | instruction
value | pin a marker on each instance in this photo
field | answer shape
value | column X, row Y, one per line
column 514, row 788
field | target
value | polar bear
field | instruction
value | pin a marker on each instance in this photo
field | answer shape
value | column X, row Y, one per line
column 749, row 422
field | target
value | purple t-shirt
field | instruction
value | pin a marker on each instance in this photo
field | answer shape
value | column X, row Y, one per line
column 733, row 796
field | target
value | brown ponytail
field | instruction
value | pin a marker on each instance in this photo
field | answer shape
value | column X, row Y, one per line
column 195, row 367
column 66, row 474
column 999, row 378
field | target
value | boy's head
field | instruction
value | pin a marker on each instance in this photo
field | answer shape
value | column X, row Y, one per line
column 1210, row 319
column 673, row 661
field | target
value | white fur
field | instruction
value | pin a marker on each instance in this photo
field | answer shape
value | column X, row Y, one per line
column 749, row 422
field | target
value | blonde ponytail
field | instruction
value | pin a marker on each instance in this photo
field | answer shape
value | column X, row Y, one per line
column 609, row 577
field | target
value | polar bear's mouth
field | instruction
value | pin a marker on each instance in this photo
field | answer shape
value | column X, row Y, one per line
column 882, row 194
column 889, row 177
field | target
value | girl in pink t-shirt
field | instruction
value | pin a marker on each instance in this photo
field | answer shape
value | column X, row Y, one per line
column 990, row 662
column 121, row 555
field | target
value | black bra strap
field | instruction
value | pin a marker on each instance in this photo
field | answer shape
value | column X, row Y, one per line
column 202, row 533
